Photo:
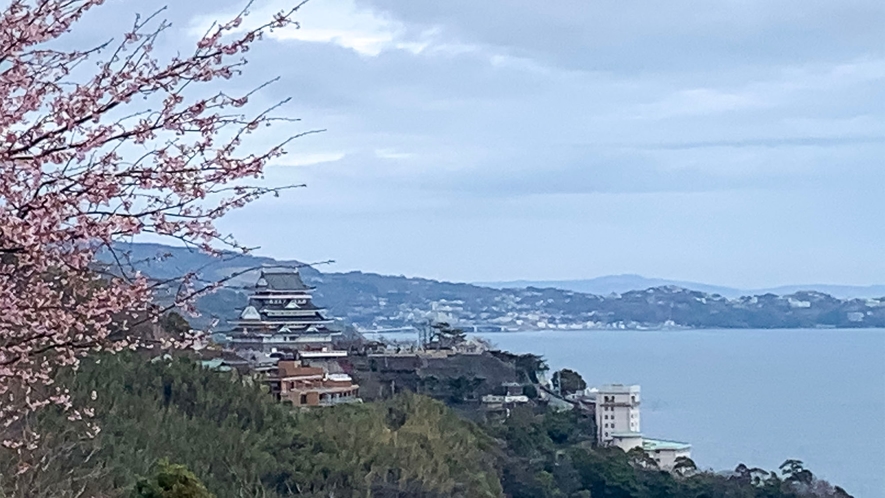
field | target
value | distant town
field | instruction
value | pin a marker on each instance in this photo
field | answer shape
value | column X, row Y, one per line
column 381, row 303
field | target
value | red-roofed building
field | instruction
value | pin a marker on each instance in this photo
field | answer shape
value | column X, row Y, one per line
column 302, row 385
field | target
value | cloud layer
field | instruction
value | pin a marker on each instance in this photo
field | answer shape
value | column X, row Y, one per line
column 737, row 142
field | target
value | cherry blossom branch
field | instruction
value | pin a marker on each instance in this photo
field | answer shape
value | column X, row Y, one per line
column 89, row 157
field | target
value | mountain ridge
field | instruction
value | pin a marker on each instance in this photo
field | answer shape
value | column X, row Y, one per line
column 620, row 283
column 379, row 302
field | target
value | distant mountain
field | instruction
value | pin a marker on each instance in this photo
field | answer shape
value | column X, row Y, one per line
column 840, row 291
column 619, row 284
column 379, row 302
column 163, row 262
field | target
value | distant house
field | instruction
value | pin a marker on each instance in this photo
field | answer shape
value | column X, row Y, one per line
column 513, row 395
column 302, row 385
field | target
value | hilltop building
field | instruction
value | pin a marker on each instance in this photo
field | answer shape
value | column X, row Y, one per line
column 292, row 381
column 317, row 383
column 618, row 424
column 512, row 395
column 280, row 316
column 282, row 336
column 665, row 453
column 617, row 411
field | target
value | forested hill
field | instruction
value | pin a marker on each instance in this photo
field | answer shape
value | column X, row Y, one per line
column 171, row 428
column 372, row 301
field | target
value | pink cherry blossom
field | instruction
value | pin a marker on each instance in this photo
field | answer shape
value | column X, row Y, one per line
column 90, row 159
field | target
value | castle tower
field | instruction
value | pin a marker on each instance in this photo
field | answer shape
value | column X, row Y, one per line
column 280, row 315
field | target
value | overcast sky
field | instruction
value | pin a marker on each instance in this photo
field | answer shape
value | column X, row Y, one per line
column 737, row 142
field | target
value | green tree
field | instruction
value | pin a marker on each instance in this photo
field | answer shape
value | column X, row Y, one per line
column 171, row 481
column 684, row 466
column 460, row 388
column 795, row 471
column 570, row 381
column 530, row 391
column 640, row 459
column 530, row 365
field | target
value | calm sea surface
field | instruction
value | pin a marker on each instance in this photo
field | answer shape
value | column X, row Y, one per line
column 752, row 396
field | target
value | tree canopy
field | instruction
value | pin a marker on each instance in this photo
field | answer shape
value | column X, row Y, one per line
column 226, row 432
column 570, row 381
column 100, row 144
column 171, row 481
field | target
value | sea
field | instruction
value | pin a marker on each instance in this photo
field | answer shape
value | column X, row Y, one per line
column 756, row 397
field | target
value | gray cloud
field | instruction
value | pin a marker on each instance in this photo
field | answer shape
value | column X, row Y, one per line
column 637, row 36
column 732, row 126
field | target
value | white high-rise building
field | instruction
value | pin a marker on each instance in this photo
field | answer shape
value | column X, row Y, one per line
column 617, row 411
column 617, row 420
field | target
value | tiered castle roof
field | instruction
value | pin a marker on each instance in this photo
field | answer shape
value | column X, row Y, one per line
column 281, row 310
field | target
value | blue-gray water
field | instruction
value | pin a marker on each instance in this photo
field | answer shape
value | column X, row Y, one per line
column 752, row 396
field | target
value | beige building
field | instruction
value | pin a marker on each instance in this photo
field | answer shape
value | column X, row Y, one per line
column 617, row 411
column 618, row 424
column 310, row 386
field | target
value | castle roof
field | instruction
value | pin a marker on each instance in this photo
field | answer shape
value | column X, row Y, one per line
column 281, row 280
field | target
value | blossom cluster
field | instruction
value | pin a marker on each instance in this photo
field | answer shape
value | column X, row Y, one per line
column 86, row 161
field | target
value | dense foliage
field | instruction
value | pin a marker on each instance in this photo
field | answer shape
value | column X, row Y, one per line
column 171, row 481
column 240, row 443
column 569, row 381
column 170, row 426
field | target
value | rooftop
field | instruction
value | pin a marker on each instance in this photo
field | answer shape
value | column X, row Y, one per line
column 626, row 434
column 289, row 368
column 661, row 444
column 281, row 280
column 252, row 317
column 618, row 389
